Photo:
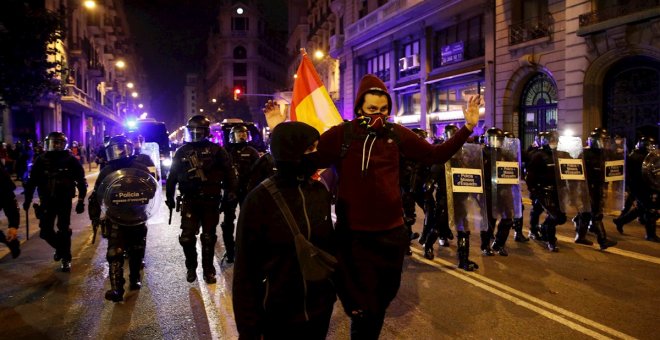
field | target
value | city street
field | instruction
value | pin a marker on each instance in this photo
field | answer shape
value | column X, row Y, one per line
column 578, row 293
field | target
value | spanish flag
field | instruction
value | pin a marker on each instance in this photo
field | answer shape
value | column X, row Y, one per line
column 311, row 102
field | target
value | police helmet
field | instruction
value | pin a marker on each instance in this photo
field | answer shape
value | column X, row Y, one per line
column 233, row 138
column 106, row 140
column 494, row 137
column 119, row 147
column 450, row 131
column 598, row 139
column 645, row 144
column 420, row 132
column 56, row 141
column 548, row 138
column 198, row 128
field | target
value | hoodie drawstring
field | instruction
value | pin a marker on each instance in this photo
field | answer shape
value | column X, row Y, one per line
column 365, row 165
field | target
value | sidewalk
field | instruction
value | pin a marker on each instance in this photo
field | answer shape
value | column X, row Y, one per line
column 34, row 222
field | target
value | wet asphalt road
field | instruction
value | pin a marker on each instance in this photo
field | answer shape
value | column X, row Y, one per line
column 578, row 293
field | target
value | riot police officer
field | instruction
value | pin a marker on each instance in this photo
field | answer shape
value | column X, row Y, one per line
column 10, row 206
column 243, row 158
column 56, row 174
column 124, row 227
column 646, row 199
column 412, row 176
column 594, row 158
column 202, row 170
column 542, row 184
column 502, row 188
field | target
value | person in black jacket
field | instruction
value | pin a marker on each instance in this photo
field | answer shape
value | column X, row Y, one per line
column 243, row 158
column 270, row 297
column 10, row 206
column 129, row 238
column 202, row 170
column 56, row 174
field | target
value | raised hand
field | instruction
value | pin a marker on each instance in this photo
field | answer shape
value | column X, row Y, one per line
column 471, row 112
column 273, row 114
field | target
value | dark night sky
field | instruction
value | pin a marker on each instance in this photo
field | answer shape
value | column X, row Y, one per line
column 170, row 37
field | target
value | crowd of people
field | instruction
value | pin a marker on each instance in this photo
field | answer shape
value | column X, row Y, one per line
column 291, row 262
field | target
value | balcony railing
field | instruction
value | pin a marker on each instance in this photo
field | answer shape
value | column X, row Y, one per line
column 531, row 29
column 76, row 96
column 604, row 14
column 379, row 16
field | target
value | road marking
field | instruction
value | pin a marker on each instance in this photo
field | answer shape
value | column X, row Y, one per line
column 617, row 251
column 509, row 294
column 218, row 304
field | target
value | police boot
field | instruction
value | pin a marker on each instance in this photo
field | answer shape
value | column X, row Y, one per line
column 485, row 244
column 650, row 231
column 502, row 235
column 135, row 267
column 228, row 240
column 518, row 235
column 463, row 251
column 599, row 229
column 14, row 246
column 428, row 251
column 64, row 248
column 625, row 218
column 188, row 242
column 208, row 253
column 535, row 233
column 549, row 231
column 581, row 227
column 116, row 276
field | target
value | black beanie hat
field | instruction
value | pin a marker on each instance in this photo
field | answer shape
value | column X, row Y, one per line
column 290, row 140
column 370, row 83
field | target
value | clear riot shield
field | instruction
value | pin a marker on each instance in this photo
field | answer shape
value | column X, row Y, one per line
column 506, row 202
column 651, row 169
column 571, row 178
column 129, row 196
column 465, row 189
column 615, row 177
column 152, row 150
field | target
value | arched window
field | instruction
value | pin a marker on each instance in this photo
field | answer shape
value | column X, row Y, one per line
column 240, row 52
column 538, row 107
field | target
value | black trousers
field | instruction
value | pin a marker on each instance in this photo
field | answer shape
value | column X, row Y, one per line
column 369, row 276
column 60, row 210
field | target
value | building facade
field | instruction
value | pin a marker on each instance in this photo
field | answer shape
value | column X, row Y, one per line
column 95, row 96
column 244, row 53
column 538, row 64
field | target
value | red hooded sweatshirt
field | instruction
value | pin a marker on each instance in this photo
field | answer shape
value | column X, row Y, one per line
column 369, row 197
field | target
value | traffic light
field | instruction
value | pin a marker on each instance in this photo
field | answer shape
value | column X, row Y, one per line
column 237, row 93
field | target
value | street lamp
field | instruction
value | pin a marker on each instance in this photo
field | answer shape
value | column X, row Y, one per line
column 140, row 105
column 319, row 54
column 89, row 4
column 134, row 94
column 120, row 64
column 130, row 85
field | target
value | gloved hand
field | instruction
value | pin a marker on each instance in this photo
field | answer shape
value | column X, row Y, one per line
column 170, row 203
column 26, row 205
column 80, row 207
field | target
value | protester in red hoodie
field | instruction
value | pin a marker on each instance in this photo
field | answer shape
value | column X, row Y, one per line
column 370, row 228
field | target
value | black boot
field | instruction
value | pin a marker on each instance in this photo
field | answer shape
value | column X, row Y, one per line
column 599, row 229
column 535, row 233
column 503, row 229
column 548, row 231
column 228, row 240
column 14, row 246
column 191, row 262
column 485, row 244
column 518, row 235
column 116, row 276
column 626, row 218
column 581, row 223
column 463, row 251
column 135, row 267
column 650, row 230
column 428, row 252
column 63, row 249
column 208, row 253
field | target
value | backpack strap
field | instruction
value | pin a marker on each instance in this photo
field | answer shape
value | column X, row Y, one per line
column 284, row 208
